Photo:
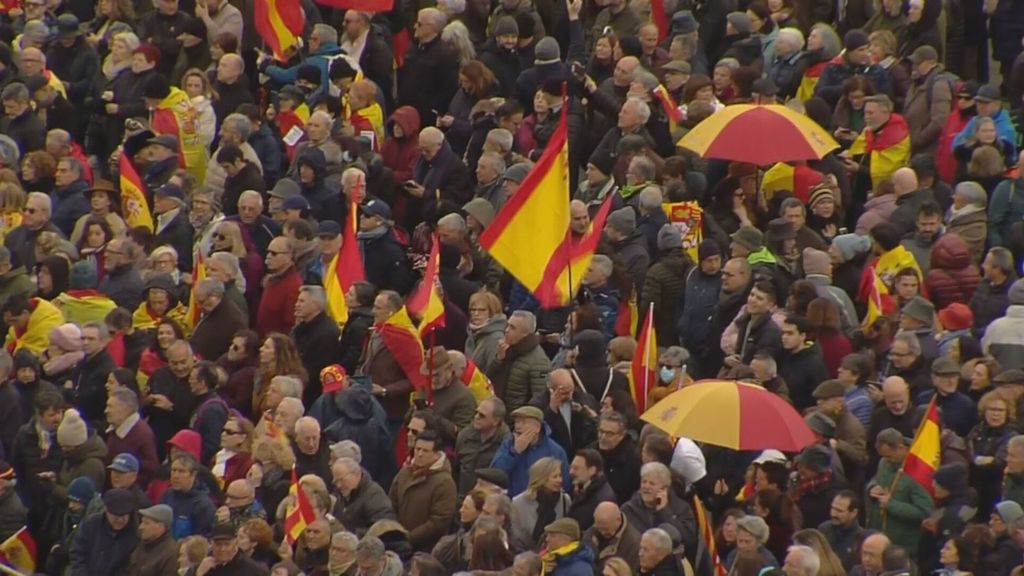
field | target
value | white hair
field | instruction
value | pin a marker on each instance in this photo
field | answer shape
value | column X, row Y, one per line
column 808, row 559
column 641, row 108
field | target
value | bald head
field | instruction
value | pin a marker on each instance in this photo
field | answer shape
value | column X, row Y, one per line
column 896, row 394
column 607, row 519
column 904, row 181
column 241, row 491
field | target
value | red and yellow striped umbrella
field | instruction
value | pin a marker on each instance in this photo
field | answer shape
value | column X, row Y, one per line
column 759, row 134
column 732, row 414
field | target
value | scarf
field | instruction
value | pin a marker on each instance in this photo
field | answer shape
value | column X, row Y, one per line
column 111, row 69
column 807, row 486
column 967, row 210
column 45, row 438
column 549, row 558
column 546, row 502
column 64, row 362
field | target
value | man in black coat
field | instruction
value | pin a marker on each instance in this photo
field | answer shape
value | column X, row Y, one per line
column 359, row 300
column 103, row 543
column 162, row 27
column 52, row 106
column 69, row 200
column 77, row 65
column 501, row 54
column 220, row 321
column 801, row 364
column 590, row 486
column 241, row 175
column 389, row 268
column 431, row 62
column 620, row 455
column 90, row 376
column 122, row 282
column 172, row 224
column 225, row 558
column 35, row 219
column 20, row 122
column 312, row 455
column 231, row 86
column 316, row 336
column 736, row 281
column 376, row 59
column 991, row 298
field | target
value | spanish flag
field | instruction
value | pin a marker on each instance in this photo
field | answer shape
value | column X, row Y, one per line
column 810, row 81
column 877, row 295
column 134, row 205
column 688, row 217
column 659, row 18
column 582, row 250
column 629, row 316
column 887, row 150
column 292, row 124
column 426, row 302
column 36, row 336
column 707, row 538
column 279, row 23
column 476, row 381
column 537, row 217
column 299, row 513
column 643, row 371
column 19, row 551
column 176, row 115
column 403, row 341
column 346, row 268
column 668, row 104
column 195, row 311
column 926, row 449
column 797, row 179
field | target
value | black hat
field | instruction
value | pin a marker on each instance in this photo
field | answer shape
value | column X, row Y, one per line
column 854, row 39
column 495, row 476
column 328, row 228
column 169, row 141
column 291, row 92
column 36, row 82
column 988, row 93
column 707, row 249
column 526, row 24
column 815, row 457
column 340, row 68
column 223, row 531
column 157, row 87
column 194, row 27
column 952, row 477
column 119, row 502
column 170, row 191
column 1011, row 376
column 68, row 26
column 309, row 73
column 683, row 22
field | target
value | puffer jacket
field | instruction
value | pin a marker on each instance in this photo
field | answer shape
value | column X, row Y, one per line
column 952, row 276
column 699, row 299
column 1004, row 339
column 523, row 373
column 989, row 302
column 83, row 460
column 664, row 286
column 482, row 342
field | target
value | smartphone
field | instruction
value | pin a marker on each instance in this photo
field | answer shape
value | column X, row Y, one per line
column 578, row 69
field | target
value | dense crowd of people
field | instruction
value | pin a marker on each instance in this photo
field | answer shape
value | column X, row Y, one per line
column 182, row 374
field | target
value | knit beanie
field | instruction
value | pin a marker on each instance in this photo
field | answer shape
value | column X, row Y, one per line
column 1016, row 294
column 851, row 245
column 547, row 50
column 707, row 249
column 818, row 194
column 67, row 337
column 72, row 431
column 740, row 22
column 83, row 275
column 854, row 39
column 309, row 73
column 816, row 262
column 952, row 477
column 506, row 26
column 82, row 490
column 623, row 220
column 669, row 238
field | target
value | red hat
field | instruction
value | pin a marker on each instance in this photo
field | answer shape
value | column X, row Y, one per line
column 333, row 378
column 956, row 316
column 152, row 53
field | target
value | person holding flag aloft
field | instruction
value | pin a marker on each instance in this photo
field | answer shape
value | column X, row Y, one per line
column 896, row 503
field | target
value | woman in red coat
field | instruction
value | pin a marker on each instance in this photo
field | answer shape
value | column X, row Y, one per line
column 952, row 276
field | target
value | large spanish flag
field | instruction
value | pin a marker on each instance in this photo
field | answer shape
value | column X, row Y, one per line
column 786, row 177
column 176, row 115
column 668, row 104
column 810, row 81
column 643, row 370
column 688, row 217
column 426, row 302
column 476, row 381
column 195, row 311
column 299, row 513
column 19, row 551
column 279, row 23
column 565, row 288
column 530, row 236
column 346, row 268
column 134, row 205
column 926, row 449
column 887, row 150
column 402, row 339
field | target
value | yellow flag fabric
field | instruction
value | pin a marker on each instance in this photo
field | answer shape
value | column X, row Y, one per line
column 19, row 551
column 887, row 150
column 176, row 115
column 134, row 205
column 81, row 306
column 926, row 450
column 36, row 336
column 688, row 217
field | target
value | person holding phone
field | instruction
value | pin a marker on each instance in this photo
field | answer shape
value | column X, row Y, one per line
column 656, row 504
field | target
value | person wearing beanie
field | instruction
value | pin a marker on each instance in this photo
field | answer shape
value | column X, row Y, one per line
column 855, row 60
column 1003, row 522
column 598, row 182
column 157, row 552
column 817, row 267
column 889, row 489
column 501, row 54
column 618, row 15
column 429, row 62
column 954, row 506
column 629, row 246
column 665, row 281
column 703, row 283
column 744, row 45
column 83, row 451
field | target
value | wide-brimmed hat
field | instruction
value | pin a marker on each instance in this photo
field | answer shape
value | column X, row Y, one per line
column 108, row 188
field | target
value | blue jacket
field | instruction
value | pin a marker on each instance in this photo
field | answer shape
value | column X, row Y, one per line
column 699, row 299
column 517, row 465
column 1004, row 129
column 577, row 563
column 97, row 550
column 321, row 59
column 830, row 84
column 1005, row 207
column 69, row 204
column 193, row 511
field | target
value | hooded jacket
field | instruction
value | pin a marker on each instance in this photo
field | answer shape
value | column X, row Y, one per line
column 400, row 154
column 353, row 414
column 952, row 276
column 591, row 368
column 315, row 192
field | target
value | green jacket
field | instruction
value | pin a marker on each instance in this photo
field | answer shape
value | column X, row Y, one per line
column 522, row 374
column 909, row 504
column 1013, row 488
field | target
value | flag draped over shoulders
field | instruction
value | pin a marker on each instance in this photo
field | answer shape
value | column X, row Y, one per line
column 176, row 115
column 887, row 149
column 402, row 340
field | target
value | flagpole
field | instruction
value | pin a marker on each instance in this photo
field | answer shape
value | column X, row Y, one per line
column 568, row 193
column 647, row 351
column 430, row 363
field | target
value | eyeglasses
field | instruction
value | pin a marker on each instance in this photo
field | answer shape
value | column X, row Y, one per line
column 607, row 432
column 231, row 432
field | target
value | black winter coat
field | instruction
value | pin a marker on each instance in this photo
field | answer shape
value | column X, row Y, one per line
column 77, row 66
column 764, row 337
column 317, row 341
column 69, row 204
column 620, row 468
column 388, row 269
column 989, row 302
column 215, row 330
column 178, row 235
column 353, row 338
column 163, row 31
column 803, row 370
column 90, row 391
column 22, row 243
column 99, row 550
column 584, row 503
column 124, row 286
column 248, row 178
column 434, row 64
column 26, row 129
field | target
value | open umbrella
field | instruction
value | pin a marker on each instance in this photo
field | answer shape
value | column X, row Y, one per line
column 759, row 134
column 732, row 414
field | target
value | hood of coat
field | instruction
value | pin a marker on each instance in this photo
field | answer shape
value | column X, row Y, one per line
column 950, row 253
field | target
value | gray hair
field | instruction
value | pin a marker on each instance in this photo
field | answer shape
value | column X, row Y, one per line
column 307, row 422
column 351, row 173
column 58, row 136
column 15, row 91
column 292, row 403
column 792, row 202
column 731, row 63
column 291, row 387
column 347, row 450
column 210, row 287
column 435, row 17
column 770, row 365
column 250, row 193
column 532, row 561
column 678, row 353
column 890, row 437
column 882, row 100
column 973, row 193
column 346, row 540
column 910, row 339
column 316, row 293
column 432, row 135
column 660, row 538
column 658, row 471
column 10, row 154
column 46, row 205
column 528, row 318
column 347, row 464
column 495, row 161
column 602, row 263
column 239, row 123
column 453, row 221
column 640, row 107
column 126, row 397
column 369, row 548
column 792, row 35
column 650, row 198
column 497, row 407
column 326, row 33
column 1002, row 259
column 643, row 167
column 101, row 328
column 830, row 41
column 230, row 263
column 502, row 138
column 1016, row 442
column 810, row 562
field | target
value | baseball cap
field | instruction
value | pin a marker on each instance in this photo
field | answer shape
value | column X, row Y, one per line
column 124, row 462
